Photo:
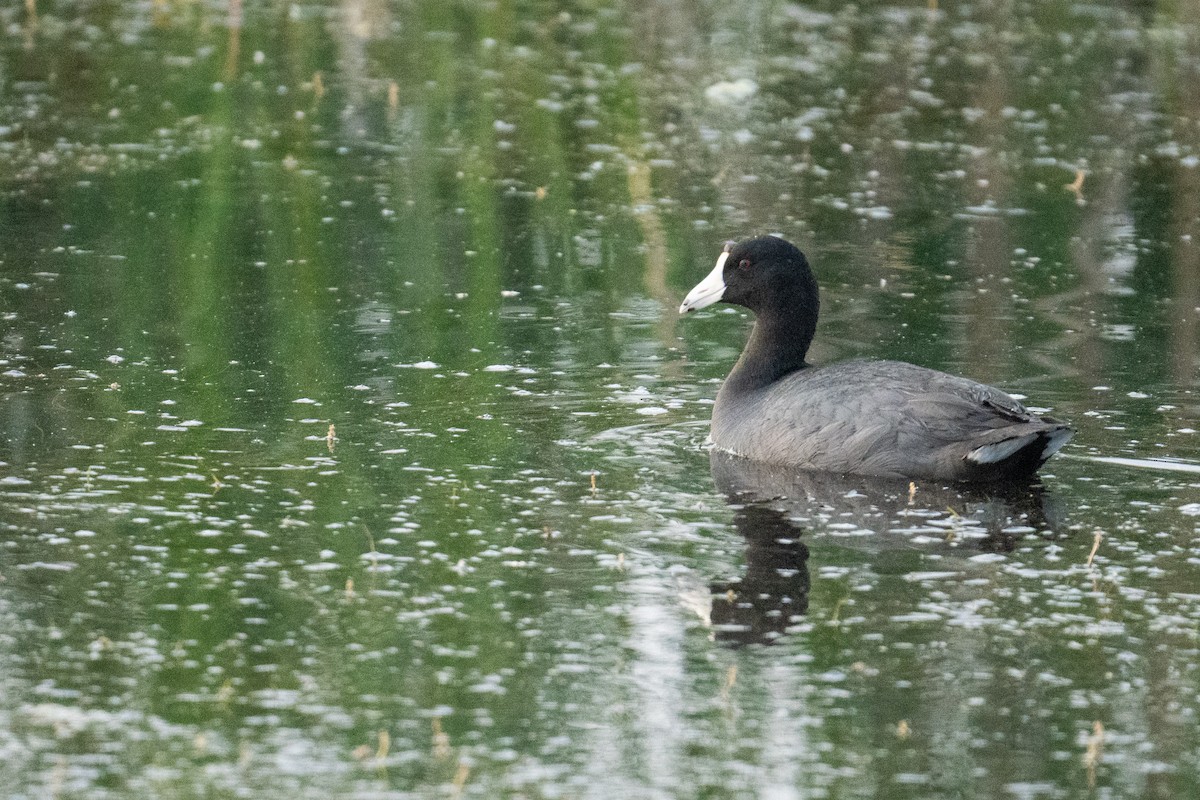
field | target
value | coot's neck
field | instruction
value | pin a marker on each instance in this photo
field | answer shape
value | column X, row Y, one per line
column 777, row 346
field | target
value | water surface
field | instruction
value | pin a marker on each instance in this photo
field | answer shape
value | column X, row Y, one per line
column 352, row 447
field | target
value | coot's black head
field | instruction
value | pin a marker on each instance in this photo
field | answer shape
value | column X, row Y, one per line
column 767, row 275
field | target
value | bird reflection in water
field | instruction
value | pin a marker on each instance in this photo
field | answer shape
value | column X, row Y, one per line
column 773, row 592
column 774, row 507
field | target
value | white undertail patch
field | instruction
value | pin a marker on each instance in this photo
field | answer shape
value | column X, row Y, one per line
column 1057, row 440
column 995, row 453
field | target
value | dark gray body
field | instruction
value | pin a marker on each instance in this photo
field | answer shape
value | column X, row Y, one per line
column 884, row 418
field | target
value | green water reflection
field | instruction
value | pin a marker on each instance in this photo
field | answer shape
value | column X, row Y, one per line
column 352, row 446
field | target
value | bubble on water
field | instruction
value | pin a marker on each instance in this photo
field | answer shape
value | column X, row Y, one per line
column 730, row 93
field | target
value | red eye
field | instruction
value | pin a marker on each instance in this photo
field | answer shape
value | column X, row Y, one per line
column 744, row 264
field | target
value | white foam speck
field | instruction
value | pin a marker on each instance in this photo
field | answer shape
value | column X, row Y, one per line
column 731, row 92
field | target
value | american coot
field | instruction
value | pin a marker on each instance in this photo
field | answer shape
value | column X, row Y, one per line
column 883, row 418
